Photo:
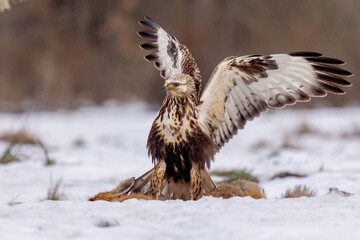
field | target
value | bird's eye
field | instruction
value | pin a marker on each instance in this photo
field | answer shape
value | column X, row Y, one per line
column 176, row 84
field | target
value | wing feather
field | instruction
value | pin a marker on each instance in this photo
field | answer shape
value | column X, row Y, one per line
column 232, row 111
column 170, row 57
column 241, row 88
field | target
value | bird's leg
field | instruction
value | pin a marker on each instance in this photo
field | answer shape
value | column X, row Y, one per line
column 157, row 179
column 195, row 182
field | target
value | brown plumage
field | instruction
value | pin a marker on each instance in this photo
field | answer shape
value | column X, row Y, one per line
column 190, row 128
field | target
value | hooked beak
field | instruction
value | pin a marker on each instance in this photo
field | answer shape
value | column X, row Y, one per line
column 164, row 88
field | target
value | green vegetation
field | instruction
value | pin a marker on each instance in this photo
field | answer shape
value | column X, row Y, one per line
column 106, row 224
column 235, row 174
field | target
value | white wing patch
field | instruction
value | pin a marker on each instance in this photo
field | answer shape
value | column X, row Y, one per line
column 167, row 56
column 170, row 56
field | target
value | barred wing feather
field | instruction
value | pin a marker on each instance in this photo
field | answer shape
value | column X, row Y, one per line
column 241, row 88
column 170, row 57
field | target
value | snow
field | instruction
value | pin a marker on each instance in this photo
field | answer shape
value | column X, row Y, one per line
column 114, row 148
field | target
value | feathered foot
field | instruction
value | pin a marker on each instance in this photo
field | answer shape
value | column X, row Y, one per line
column 143, row 186
column 195, row 182
column 157, row 179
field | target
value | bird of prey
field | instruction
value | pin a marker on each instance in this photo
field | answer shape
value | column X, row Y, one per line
column 191, row 127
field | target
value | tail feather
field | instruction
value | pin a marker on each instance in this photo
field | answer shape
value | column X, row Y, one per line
column 142, row 184
column 207, row 182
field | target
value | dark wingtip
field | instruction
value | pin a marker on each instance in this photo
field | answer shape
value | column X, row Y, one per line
column 152, row 22
column 151, row 26
column 332, row 79
column 151, row 57
column 331, row 89
column 325, row 60
column 142, row 23
column 332, row 70
column 149, row 19
column 148, row 46
column 305, row 54
column 147, row 35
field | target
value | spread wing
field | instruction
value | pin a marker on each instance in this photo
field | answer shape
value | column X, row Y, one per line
column 169, row 55
column 241, row 88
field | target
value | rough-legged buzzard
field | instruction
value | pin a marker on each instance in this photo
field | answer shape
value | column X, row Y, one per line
column 191, row 127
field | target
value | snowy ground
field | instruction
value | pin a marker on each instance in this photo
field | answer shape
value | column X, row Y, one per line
column 113, row 148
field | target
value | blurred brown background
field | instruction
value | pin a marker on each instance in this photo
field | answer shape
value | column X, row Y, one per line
column 70, row 53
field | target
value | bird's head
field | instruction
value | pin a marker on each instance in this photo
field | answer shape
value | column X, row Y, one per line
column 179, row 86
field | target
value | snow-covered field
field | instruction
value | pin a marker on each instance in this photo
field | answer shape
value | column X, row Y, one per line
column 96, row 148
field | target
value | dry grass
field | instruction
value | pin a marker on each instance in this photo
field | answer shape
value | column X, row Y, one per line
column 336, row 191
column 288, row 174
column 304, row 129
column 356, row 130
column 79, row 143
column 19, row 138
column 54, row 191
column 48, row 161
column 13, row 202
column 8, row 156
column 260, row 145
column 354, row 133
column 299, row 191
column 288, row 143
